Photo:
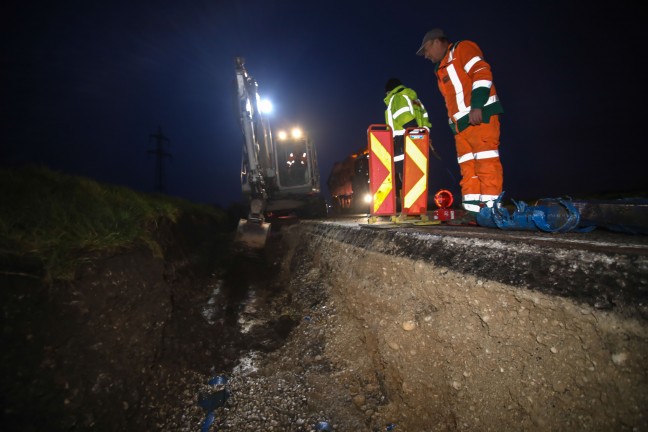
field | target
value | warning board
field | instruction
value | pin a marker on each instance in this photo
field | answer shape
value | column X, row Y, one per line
column 381, row 170
column 415, row 171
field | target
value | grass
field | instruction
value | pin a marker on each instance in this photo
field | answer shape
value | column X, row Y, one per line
column 61, row 220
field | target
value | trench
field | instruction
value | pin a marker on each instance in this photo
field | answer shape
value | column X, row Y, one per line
column 441, row 342
column 365, row 330
column 133, row 342
column 246, row 305
column 349, row 328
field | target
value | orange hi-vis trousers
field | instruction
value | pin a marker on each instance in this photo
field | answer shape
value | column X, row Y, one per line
column 482, row 176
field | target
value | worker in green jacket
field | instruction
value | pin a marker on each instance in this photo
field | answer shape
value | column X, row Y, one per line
column 404, row 109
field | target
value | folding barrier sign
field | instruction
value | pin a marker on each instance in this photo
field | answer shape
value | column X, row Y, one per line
column 381, row 170
column 415, row 171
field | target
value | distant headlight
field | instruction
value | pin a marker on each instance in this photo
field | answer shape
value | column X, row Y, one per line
column 367, row 198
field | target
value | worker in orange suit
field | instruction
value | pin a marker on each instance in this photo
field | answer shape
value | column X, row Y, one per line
column 466, row 83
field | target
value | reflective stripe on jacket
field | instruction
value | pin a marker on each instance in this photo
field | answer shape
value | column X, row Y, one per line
column 466, row 81
column 403, row 106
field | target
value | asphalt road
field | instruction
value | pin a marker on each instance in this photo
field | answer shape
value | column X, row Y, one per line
column 607, row 270
column 599, row 240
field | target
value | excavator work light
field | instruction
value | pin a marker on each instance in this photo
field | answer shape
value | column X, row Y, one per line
column 265, row 106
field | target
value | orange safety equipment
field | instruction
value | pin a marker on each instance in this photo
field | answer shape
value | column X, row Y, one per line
column 415, row 171
column 481, row 170
column 443, row 198
column 381, row 170
column 466, row 82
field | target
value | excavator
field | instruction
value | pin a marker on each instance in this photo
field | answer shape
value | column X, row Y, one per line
column 279, row 176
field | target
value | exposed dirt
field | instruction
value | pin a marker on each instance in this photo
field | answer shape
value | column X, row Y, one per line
column 320, row 335
column 392, row 342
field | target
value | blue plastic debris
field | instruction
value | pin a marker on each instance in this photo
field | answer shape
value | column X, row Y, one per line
column 208, row 421
column 323, row 426
column 210, row 401
column 390, row 427
column 218, row 380
column 556, row 215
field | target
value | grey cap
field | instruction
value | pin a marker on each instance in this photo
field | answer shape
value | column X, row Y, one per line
column 431, row 35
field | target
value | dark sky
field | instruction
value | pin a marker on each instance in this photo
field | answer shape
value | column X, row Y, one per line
column 85, row 83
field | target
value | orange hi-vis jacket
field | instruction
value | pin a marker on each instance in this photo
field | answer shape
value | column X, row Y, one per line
column 465, row 81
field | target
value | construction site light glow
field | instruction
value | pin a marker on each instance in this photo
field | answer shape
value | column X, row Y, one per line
column 265, row 106
column 296, row 133
column 282, row 135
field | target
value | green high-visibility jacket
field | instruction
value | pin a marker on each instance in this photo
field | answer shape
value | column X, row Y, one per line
column 403, row 106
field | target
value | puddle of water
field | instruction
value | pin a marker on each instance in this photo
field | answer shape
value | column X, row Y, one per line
column 210, row 311
column 249, row 317
column 239, row 310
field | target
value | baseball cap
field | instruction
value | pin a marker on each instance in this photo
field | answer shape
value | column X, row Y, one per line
column 431, row 35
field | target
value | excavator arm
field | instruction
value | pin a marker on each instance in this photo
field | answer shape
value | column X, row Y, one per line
column 257, row 170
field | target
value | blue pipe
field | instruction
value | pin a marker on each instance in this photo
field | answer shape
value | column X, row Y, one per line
column 556, row 215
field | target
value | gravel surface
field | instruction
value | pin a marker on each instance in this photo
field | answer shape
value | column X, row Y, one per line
column 336, row 330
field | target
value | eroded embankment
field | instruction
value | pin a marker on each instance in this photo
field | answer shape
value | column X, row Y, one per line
column 121, row 345
column 456, row 347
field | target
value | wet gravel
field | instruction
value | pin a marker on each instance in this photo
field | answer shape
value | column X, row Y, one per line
column 323, row 336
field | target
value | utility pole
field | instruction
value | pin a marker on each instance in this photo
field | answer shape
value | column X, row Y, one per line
column 159, row 153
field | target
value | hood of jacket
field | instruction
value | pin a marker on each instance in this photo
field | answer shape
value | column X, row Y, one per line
column 402, row 90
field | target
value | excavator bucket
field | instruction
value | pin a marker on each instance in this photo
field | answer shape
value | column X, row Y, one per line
column 252, row 235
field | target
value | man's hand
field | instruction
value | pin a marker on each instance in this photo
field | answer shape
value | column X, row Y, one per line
column 475, row 116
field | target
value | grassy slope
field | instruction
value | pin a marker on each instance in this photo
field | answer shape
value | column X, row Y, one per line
column 59, row 220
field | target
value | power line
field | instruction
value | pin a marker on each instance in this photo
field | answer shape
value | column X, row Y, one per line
column 158, row 151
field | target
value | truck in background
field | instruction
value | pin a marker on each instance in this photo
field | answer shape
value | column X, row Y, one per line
column 348, row 184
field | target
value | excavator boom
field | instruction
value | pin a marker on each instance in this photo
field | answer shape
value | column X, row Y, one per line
column 252, row 233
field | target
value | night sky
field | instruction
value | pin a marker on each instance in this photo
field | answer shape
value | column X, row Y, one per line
column 85, row 84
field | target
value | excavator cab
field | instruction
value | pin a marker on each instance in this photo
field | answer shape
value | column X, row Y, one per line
column 294, row 161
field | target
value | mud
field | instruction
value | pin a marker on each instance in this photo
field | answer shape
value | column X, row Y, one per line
column 365, row 330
